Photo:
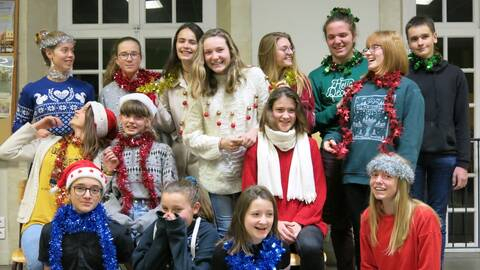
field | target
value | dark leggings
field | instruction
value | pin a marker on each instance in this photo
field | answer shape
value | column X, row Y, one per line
column 357, row 199
column 309, row 246
column 335, row 213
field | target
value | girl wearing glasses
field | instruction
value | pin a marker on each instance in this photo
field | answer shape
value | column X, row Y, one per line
column 58, row 93
column 276, row 56
column 93, row 126
column 223, row 119
column 80, row 235
column 338, row 70
column 382, row 112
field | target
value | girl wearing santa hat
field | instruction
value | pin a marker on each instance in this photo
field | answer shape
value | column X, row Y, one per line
column 80, row 230
column 92, row 126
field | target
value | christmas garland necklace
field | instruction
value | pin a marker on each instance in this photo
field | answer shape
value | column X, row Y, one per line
column 144, row 142
column 168, row 81
column 289, row 77
column 59, row 164
column 68, row 221
column 426, row 64
column 270, row 254
column 142, row 77
column 346, row 68
column 391, row 81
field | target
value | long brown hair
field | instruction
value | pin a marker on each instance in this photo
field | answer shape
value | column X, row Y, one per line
column 92, row 144
column 237, row 232
column 194, row 193
column 204, row 82
column 301, row 120
column 112, row 66
column 267, row 54
column 137, row 108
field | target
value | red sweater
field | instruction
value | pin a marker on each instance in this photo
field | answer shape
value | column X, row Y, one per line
column 293, row 210
column 308, row 102
column 421, row 250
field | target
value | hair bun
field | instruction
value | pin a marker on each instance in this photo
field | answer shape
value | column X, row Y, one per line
column 40, row 36
column 340, row 12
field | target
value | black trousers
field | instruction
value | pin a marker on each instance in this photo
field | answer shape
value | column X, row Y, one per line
column 336, row 213
column 309, row 246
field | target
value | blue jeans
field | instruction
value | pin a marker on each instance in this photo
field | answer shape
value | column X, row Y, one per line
column 139, row 208
column 433, row 184
column 223, row 209
column 30, row 242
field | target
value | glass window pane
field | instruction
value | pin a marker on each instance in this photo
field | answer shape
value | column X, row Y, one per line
column 439, row 45
column 433, row 10
column 158, row 11
column 107, row 50
column 90, row 78
column 469, row 77
column 86, row 54
column 189, row 11
column 459, row 11
column 460, row 227
column 463, row 198
column 460, row 52
column 84, row 11
column 115, row 11
column 157, row 51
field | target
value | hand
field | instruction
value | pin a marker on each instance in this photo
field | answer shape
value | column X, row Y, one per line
column 109, row 160
column 281, row 83
column 47, row 122
column 459, row 178
column 169, row 216
column 339, row 103
column 42, row 133
column 286, row 232
column 250, row 137
column 231, row 144
column 329, row 146
column 295, row 228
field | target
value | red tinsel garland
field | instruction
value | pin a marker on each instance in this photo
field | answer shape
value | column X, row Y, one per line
column 145, row 142
column 142, row 77
column 60, row 165
column 391, row 81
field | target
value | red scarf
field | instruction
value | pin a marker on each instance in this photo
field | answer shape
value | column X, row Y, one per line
column 391, row 81
column 145, row 142
column 142, row 77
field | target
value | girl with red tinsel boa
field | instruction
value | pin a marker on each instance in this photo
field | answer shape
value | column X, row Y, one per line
column 383, row 112
column 142, row 166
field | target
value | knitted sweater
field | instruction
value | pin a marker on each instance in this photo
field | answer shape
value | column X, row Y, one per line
column 220, row 116
column 45, row 97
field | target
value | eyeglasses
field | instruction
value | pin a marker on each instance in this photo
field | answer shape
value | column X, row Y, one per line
column 286, row 49
column 94, row 191
column 125, row 55
column 372, row 48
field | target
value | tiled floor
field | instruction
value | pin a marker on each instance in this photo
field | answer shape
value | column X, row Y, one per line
column 453, row 261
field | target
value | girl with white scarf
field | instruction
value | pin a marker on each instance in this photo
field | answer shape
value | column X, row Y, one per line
column 286, row 161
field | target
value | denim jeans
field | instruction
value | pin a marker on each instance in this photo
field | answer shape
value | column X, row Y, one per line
column 30, row 244
column 223, row 209
column 139, row 208
column 433, row 184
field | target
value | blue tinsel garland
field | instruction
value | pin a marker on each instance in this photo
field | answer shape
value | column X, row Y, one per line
column 68, row 221
column 270, row 255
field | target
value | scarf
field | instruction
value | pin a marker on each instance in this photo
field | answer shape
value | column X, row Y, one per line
column 68, row 221
column 301, row 182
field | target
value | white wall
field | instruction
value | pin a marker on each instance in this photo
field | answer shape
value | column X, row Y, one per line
column 303, row 20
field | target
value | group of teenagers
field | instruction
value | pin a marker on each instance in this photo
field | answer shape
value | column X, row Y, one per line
column 211, row 164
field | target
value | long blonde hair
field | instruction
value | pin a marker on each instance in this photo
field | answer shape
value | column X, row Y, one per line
column 394, row 52
column 204, row 82
column 267, row 52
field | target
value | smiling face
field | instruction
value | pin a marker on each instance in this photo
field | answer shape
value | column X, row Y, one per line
column 133, row 124
column 283, row 114
column 178, row 203
column 284, row 53
column 374, row 55
column 383, row 186
column 88, row 201
column 78, row 119
column 62, row 56
column 186, row 46
column 421, row 40
column 217, row 54
column 259, row 219
column 340, row 41
column 128, row 57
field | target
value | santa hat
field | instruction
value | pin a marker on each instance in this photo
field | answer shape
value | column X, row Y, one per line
column 393, row 165
column 144, row 99
column 80, row 169
column 105, row 120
